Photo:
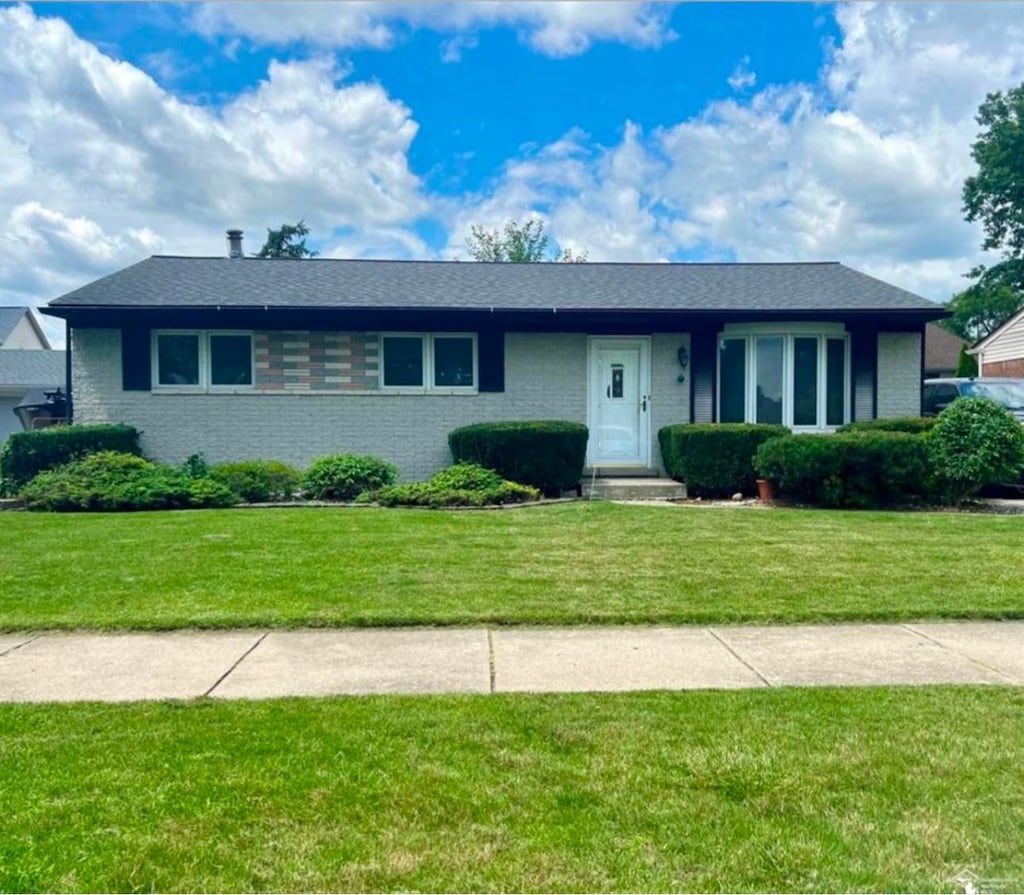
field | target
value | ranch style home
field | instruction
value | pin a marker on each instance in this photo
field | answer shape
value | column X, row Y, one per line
column 243, row 358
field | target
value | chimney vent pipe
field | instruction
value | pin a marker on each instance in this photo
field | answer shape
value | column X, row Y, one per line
column 235, row 244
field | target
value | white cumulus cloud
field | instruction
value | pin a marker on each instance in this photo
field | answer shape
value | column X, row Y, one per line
column 103, row 167
column 551, row 27
column 864, row 165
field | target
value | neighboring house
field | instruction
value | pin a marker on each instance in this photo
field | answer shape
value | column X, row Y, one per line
column 941, row 352
column 1001, row 353
column 286, row 359
column 27, row 363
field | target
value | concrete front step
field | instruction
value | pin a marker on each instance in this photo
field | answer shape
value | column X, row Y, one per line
column 632, row 488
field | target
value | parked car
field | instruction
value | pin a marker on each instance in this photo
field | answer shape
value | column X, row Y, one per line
column 940, row 393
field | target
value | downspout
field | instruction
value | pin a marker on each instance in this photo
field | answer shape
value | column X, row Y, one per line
column 67, row 371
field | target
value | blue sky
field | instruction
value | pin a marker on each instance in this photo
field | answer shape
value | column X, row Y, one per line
column 498, row 97
column 636, row 131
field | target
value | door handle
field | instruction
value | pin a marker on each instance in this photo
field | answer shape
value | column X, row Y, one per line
column 643, row 404
column 608, row 391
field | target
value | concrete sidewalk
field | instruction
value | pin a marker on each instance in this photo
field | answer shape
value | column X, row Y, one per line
column 38, row 667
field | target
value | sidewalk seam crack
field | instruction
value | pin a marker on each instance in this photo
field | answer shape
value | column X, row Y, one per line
column 740, row 658
column 236, row 663
column 492, row 670
column 18, row 646
column 1009, row 677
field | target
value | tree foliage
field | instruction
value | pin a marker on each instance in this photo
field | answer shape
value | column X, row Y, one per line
column 289, row 241
column 981, row 309
column 995, row 195
column 518, row 243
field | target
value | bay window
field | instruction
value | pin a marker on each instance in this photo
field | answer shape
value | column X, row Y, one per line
column 797, row 377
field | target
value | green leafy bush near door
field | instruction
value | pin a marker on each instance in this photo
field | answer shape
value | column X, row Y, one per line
column 714, row 459
column 547, row 454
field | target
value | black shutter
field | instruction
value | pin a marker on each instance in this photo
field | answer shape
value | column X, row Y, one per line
column 864, row 367
column 490, row 346
column 703, row 357
column 136, row 370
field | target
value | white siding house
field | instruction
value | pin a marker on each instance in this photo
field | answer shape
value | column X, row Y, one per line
column 1002, row 352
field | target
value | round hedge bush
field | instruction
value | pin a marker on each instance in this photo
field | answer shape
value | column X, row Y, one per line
column 346, row 476
column 714, row 459
column 975, row 442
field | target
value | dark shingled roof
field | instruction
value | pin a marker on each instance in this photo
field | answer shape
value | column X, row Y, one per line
column 174, row 282
column 25, row 368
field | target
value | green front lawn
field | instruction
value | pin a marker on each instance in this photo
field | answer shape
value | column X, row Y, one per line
column 571, row 564
column 797, row 790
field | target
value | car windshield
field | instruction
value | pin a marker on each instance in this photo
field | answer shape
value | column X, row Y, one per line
column 1009, row 394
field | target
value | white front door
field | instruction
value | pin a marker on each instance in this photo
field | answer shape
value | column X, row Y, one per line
column 619, row 412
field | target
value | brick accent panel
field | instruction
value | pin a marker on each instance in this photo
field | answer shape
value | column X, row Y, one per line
column 316, row 361
column 1012, row 368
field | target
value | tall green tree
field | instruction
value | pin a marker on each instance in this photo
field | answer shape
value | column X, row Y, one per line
column 994, row 196
column 289, row 241
column 981, row 309
column 521, row 243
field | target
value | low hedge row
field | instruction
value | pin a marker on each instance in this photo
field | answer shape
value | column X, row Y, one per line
column 714, row 459
column 546, row 454
column 109, row 481
column 857, row 470
column 461, row 485
column 972, row 443
column 914, row 425
column 26, row 454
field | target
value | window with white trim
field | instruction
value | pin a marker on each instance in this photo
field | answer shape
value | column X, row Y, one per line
column 201, row 359
column 798, row 376
column 429, row 361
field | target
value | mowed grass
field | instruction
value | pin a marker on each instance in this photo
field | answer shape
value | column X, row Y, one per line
column 565, row 564
column 792, row 790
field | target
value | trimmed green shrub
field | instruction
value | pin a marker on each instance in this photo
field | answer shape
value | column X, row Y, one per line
column 975, row 442
column 714, row 459
column 915, row 425
column 257, row 481
column 109, row 481
column 346, row 476
column 26, row 454
column 861, row 470
column 461, row 485
column 546, row 454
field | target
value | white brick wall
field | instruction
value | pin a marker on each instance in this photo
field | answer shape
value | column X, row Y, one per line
column 545, row 378
column 899, row 374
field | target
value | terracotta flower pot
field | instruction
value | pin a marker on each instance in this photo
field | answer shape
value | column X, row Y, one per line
column 765, row 490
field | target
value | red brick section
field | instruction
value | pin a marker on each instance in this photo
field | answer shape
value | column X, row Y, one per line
column 316, row 361
column 1012, row 368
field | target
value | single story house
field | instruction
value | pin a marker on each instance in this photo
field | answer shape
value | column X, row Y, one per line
column 1001, row 353
column 27, row 364
column 292, row 359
